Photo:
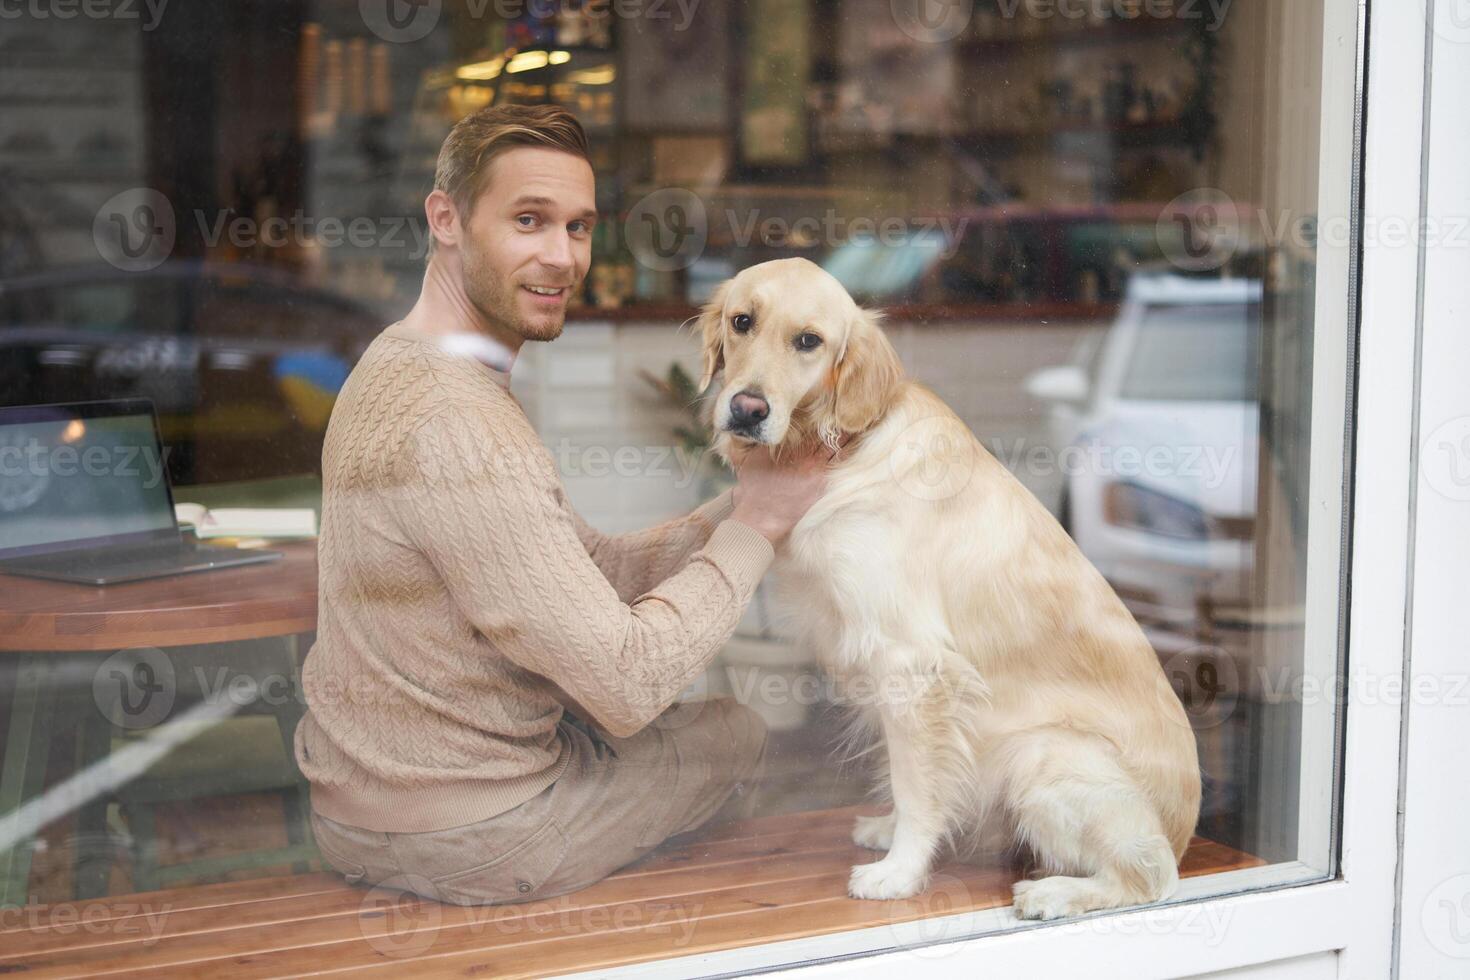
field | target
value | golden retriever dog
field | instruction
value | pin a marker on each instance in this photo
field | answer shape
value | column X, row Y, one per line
column 1006, row 694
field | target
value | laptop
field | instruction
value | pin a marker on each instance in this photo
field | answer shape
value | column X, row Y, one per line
column 85, row 497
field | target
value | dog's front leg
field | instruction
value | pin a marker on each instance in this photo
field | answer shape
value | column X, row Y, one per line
column 919, row 824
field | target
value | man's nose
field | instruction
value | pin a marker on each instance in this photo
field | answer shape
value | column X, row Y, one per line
column 748, row 409
column 558, row 251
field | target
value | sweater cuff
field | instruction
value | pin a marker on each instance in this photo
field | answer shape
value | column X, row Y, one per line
column 716, row 509
column 740, row 551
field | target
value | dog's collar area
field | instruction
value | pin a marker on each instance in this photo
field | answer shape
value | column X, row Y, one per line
column 842, row 443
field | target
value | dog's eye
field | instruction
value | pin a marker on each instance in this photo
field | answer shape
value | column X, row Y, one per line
column 741, row 322
column 808, row 341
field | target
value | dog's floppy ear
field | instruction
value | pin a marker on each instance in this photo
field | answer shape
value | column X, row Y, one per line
column 711, row 324
column 867, row 375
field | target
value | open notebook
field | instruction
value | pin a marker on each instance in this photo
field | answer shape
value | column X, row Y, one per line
column 248, row 522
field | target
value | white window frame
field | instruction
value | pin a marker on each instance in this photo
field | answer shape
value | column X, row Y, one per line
column 1353, row 925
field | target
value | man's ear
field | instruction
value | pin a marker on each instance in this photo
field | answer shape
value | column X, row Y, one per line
column 711, row 324
column 867, row 375
column 442, row 216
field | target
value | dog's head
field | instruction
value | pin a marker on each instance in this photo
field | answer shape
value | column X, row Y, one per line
column 801, row 360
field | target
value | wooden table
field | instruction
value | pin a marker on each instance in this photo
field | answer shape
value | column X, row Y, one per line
column 46, row 624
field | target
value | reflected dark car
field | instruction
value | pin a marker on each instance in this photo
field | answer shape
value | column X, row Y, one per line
column 242, row 362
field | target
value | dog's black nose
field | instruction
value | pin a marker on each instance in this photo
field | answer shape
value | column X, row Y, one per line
column 748, row 409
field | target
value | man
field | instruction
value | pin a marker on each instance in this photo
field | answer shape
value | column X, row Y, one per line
column 464, row 604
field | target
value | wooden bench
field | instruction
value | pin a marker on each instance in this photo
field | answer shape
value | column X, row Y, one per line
column 763, row 880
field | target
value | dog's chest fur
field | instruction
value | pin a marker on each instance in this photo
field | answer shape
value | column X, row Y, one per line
column 835, row 575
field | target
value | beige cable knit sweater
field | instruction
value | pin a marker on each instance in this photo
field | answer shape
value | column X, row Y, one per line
column 462, row 600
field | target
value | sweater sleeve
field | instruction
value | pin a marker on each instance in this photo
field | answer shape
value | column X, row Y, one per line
column 484, row 504
column 636, row 561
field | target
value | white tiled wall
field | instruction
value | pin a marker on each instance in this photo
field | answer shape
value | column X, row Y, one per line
column 613, row 436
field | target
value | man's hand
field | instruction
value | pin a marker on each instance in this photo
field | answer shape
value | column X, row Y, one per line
column 772, row 497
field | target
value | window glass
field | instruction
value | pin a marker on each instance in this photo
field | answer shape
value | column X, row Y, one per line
column 1112, row 237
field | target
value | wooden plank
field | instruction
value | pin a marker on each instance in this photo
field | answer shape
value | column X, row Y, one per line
column 347, row 926
column 754, row 881
column 552, row 943
column 155, row 917
column 612, row 923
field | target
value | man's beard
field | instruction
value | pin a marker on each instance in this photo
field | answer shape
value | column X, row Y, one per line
column 499, row 301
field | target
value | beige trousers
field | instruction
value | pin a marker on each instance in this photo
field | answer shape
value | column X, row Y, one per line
column 618, row 799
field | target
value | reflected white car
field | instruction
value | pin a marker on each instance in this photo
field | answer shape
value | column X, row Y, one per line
column 1160, row 422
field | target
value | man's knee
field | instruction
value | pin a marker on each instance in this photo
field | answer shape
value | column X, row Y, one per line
column 748, row 736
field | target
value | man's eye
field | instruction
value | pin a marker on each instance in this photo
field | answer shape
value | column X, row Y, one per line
column 526, row 220
column 741, row 322
column 579, row 227
column 808, row 341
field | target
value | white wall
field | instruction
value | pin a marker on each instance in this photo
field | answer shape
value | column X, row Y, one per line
column 585, row 395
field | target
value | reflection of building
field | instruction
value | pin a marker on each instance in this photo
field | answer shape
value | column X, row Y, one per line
column 72, row 133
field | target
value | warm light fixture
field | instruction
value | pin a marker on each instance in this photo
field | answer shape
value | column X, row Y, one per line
column 482, row 70
column 593, row 76
column 527, row 60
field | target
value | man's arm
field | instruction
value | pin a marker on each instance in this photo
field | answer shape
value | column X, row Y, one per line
column 636, row 561
column 483, row 502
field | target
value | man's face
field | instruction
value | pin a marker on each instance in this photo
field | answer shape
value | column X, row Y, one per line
column 529, row 240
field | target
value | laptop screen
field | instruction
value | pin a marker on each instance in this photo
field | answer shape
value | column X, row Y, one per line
column 81, row 475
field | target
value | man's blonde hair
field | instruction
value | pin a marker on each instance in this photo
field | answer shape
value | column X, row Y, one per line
column 477, row 139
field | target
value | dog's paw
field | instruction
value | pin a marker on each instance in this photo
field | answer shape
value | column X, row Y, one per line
column 1052, row 898
column 885, row 880
column 874, row 833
